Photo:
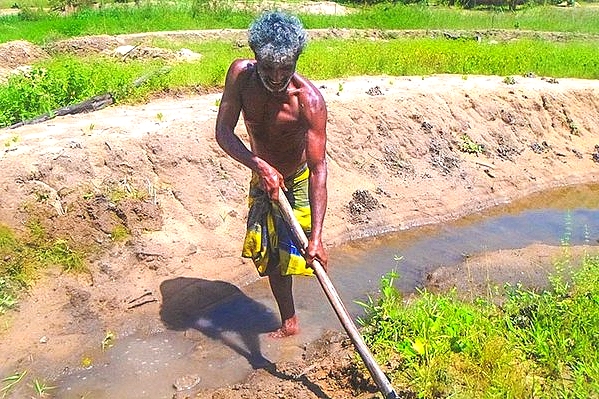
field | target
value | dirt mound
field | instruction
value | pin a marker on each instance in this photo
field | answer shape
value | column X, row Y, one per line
column 328, row 369
column 86, row 45
column 20, row 52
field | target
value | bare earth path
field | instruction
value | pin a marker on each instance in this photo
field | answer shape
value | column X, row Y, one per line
column 396, row 160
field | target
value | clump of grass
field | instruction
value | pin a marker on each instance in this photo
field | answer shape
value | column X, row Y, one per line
column 536, row 344
column 10, row 382
column 118, row 191
column 470, row 146
column 120, row 233
column 24, row 257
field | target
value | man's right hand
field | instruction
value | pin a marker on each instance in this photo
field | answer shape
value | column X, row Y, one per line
column 271, row 180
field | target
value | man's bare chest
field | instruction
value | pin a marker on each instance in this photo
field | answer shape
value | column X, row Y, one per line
column 272, row 114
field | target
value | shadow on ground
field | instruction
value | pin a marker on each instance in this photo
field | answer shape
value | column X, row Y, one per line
column 217, row 309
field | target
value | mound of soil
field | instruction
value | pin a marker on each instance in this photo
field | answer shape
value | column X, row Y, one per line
column 20, row 52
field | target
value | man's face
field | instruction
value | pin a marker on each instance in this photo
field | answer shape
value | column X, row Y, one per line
column 275, row 76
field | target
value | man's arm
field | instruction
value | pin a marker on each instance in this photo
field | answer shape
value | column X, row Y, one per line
column 226, row 120
column 228, row 116
column 315, row 113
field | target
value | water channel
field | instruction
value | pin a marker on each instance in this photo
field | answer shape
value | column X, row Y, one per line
column 214, row 331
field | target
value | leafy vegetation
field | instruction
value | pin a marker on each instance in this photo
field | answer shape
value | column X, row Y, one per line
column 533, row 344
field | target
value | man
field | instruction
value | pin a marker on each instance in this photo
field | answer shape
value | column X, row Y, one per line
column 285, row 116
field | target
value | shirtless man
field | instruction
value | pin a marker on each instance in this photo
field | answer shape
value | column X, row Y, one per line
column 285, row 116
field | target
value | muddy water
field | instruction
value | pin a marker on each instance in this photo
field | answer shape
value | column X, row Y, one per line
column 212, row 333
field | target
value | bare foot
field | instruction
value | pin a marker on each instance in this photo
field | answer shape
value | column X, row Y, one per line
column 290, row 327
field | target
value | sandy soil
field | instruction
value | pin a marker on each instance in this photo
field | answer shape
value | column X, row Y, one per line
column 397, row 156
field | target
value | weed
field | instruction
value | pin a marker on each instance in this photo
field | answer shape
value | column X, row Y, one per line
column 119, row 233
column 124, row 189
column 12, row 141
column 509, row 80
column 11, row 381
column 60, row 253
column 7, row 299
column 159, row 116
column 469, row 146
column 108, row 340
column 41, row 389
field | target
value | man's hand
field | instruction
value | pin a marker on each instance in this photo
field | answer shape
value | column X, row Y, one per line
column 316, row 251
column 271, row 180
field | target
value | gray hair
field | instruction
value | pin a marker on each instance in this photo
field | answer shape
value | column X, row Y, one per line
column 277, row 37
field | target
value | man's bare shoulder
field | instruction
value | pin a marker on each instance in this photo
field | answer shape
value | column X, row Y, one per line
column 242, row 66
column 308, row 93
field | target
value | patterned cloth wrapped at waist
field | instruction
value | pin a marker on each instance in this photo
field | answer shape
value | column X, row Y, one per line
column 269, row 241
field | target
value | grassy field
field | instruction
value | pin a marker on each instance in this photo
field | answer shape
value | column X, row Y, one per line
column 65, row 80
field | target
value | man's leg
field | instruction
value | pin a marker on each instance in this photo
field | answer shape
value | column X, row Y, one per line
column 282, row 289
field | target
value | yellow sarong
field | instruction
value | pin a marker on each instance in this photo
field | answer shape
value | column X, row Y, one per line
column 269, row 241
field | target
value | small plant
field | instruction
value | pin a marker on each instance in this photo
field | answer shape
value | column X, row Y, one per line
column 60, row 253
column 88, row 195
column 11, row 381
column 10, row 142
column 159, row 116
column 509, row 80
column 217, row 102
column 108, row 340
column 7, row 299
column 469, row 146
column 41, row 389
column 119, row 233
column 42, row 196
column 119, row 191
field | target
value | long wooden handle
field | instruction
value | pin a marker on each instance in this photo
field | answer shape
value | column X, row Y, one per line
column 375, row 371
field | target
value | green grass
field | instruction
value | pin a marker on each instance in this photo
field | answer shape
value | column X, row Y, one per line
column 334, row 58
column 397, row 16
column 535, row 344
column 65, row 80
column 24, row 257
